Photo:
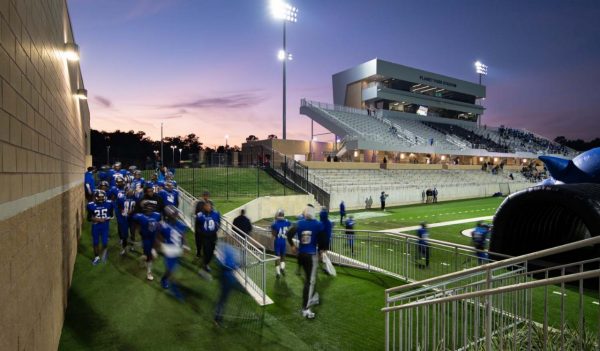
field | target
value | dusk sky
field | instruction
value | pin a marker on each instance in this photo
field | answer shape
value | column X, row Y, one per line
column 209, row 67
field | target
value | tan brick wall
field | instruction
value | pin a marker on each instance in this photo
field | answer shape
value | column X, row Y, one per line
column 43, row 151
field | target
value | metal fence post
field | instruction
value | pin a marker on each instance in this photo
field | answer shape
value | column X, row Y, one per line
column 227, row 182
column 193, row 181
column 257, row 181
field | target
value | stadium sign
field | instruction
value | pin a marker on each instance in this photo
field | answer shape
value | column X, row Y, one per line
column 438, row 81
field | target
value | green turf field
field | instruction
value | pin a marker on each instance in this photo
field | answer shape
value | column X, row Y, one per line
column 236, row 184
column 112, row 307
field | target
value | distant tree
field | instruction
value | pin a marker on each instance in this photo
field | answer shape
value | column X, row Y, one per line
column 251, row 138
column 578, row 144
column 272, row 136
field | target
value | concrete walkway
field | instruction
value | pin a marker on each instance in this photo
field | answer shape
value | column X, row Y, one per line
column 440, row 224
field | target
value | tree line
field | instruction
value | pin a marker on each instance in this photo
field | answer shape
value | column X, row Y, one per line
column 578, row 144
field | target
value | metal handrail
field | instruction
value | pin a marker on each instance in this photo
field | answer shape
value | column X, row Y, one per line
column 519, row 286
column 509, row 261
column 432, row 241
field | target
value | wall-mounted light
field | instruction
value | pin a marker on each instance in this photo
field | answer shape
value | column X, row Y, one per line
column 481, row 159
column 71, row 52
column 355, row 153
column 495, row 159
column 81, row 94
column 443, row 157
column 402, row 156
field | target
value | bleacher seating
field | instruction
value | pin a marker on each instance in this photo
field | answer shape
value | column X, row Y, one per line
column 477, row 141
column 333, row 179
column 395, row 131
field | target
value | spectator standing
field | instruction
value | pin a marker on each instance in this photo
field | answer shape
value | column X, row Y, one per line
column 342, row 212
column 429, row 194
column 435, row 194
column 370, row 201
column 242, row 224
column 382, row 199
column 423, row 196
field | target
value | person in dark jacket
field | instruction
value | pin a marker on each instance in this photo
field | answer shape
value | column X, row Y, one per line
column 242, row 224
column 342, row 212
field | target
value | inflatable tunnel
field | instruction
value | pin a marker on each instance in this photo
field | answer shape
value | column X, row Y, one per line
column 545, row 216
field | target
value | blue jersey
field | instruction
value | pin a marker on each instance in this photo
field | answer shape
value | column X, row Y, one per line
column 174, row 183
column 113, row 193
column 479, row 236
column 208, row 224
column 280, row 228
column 172, row 233
column 308, row 233
column 90, row 183
column 423, row 235
column 100, row 210
column 350, row 223
column 138, row 183
column 104, row 176
column 169, row 197
column 125, row 205
column 149, row 224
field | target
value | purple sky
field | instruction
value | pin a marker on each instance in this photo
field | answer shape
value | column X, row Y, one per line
column 209, row 67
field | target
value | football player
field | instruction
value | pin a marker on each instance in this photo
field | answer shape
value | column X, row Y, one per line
column 119, row 187
column 125, row 206
column 170, row 177
column 169, row 195
column 208, row 222
column 148, row 219
column 279, row 229
column 309, row 232
column 100, row 212
column 172, row 238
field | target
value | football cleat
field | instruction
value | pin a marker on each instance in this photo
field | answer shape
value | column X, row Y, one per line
column 149, row 276
column 164, row 283
column 308, row 314
column 96, row 260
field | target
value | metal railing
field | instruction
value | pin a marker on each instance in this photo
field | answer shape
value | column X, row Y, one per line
column 503, row 305
column 253, row 255
column 401, row 255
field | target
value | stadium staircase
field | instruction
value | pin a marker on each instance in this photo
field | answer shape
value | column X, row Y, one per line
column 253, row 255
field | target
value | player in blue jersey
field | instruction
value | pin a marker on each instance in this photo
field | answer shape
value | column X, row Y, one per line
column 115, row 172
column 172, row 238
column 100, row 212
column 229, row 264
column 169, row 195
column 208, row 222
column 125, row 206
column 309, row 233
column 279, row 229
column 89, row 183
column 349, row 224
column 104, row 174
column 104, row 186
column 170, row 177
column 480, row 238
column 149, row 221
column 138, row 184
column 119, row 187
column 423, row 246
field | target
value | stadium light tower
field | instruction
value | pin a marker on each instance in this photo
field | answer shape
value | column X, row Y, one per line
column 286, row 13
column 481, row 69
column 173, row 147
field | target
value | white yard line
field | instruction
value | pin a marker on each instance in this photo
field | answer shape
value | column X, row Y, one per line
column 439, row 224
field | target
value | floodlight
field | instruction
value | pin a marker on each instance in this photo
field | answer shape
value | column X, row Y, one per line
column 480, row 68
column 284, row 11
column 81, row 94
column 71, row 52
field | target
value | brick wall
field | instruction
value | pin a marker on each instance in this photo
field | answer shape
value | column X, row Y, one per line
column 43, row 148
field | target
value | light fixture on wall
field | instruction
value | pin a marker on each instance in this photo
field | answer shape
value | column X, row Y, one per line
column 71, row 52
column 81, row 94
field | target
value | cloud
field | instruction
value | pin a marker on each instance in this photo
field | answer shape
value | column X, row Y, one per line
column 231, row 101
column 102, row 101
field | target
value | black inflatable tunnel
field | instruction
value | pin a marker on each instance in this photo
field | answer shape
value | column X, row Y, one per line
column 542, row 217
